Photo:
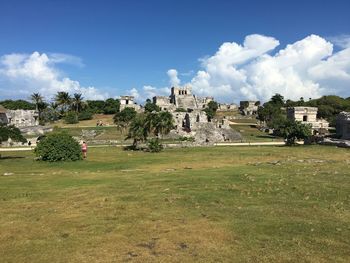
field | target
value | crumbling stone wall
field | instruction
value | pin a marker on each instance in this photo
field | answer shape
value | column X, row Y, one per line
column 22, row 118
column 343, row 125
column 249, row 107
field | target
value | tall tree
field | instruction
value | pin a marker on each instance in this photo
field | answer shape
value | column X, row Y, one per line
column 63, row 100
column 211, row 109
column 138, row 130
column 37, row 99
column 123, row 118
column 277, row 100
column 161, row 123
column 77, row 102
column 111, row 106
column 151, row 107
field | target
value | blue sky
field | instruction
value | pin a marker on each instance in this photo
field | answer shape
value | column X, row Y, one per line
column 118, row 47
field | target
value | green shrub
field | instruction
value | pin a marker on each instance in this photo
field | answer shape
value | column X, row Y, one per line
column 186, row 139
column 12, row 132
column 71, row 118
column 180, row 110
column 85, row 115
column 154, row 145
column 58, row 147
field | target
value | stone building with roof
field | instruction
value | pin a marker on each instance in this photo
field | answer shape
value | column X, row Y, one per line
column 308, row 115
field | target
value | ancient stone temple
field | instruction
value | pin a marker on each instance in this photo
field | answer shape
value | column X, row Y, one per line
column 308, row 115
column 128, row 102
column 343, row 125
column 181, row 98
column 191, row 121
column 249, row 107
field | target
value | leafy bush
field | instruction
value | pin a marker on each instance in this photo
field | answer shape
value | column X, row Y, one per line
column 111, row 106
column 151, row 107
column 58, row 147
column 187, row 139
column 295, row 130
column 71, row 118
column 180, row 110
column 12, row 132
column 85, row 115
column 154, row 145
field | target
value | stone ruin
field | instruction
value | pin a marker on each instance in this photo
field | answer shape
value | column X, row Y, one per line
column 181, row 98
column 129, row 102
column 308, row 115
column 249, row 107
column 343, row 125
column 26, row 120
column 190, row 119
column 19, row 118
column 227, row 107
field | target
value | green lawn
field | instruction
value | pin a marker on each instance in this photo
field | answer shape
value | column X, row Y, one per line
column 102, row 133
column 223, row 204
column 251, row 134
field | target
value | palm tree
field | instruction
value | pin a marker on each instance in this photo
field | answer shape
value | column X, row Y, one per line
column 63, row 100
column 164, row 124
column 77, row 102
column 37, row 99
column 123, row 118
column 138, row 130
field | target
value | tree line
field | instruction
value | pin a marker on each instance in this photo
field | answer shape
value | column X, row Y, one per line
column 70, row 108
column 273, row 112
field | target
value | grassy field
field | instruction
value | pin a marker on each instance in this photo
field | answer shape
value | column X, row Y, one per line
column 102, row 133
column 107, row 120
column 228, row 204
column 251, row 134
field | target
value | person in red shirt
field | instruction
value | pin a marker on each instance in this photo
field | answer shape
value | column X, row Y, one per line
column 84, row 149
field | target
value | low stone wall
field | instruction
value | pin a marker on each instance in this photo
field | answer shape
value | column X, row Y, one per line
column 335, row 142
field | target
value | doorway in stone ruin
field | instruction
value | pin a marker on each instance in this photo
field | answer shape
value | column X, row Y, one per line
column 186, row 123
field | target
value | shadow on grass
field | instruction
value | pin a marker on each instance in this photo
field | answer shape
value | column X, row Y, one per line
column 10, row 157
column 267, row 136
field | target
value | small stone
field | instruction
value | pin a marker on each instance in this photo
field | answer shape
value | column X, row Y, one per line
column 8, row 174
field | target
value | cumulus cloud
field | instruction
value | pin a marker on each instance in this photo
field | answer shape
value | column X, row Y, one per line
column 23, row 74
column 173, row 78
column 342, row 41
column 148, row 92
column 306, row 68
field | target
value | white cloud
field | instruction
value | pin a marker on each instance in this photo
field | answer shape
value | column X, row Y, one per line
column 342, row 41
column 66, row 58
column 148, row 92
column 23, row 74
column 174, row 80
column 306, row 68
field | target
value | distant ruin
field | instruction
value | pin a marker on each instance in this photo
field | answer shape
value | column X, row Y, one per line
column 343, row 125
column 129, row 102
column 181, row 98
column 190, row 119
column 249, row 107
column 308, row 115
